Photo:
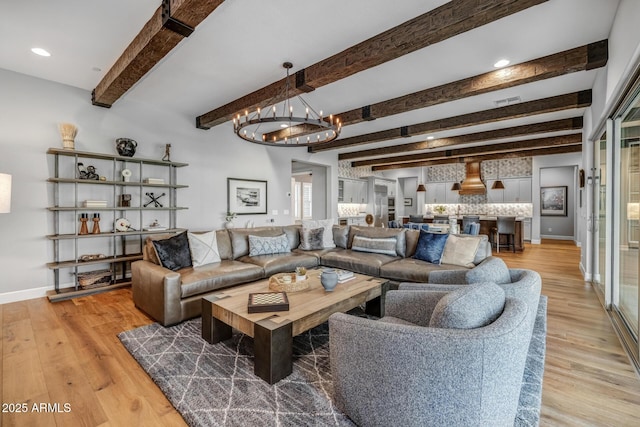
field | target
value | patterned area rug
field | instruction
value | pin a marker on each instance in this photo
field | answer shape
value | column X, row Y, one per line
column 214, row 384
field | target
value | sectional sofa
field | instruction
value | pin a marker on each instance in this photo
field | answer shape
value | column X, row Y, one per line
column 171, row 297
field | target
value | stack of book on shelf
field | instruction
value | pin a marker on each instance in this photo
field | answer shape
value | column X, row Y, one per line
column 94, row 204
column 345, row 275
column 159, row 181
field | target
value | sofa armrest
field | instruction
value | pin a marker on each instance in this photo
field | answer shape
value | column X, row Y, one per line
column 413, row 306
column 451, row 277
column 156, row 291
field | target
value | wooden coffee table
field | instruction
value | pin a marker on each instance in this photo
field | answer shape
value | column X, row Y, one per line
column 273, row 332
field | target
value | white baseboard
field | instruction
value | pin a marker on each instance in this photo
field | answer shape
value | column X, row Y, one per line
column 552, row 237
column 536, row 241
column 15, row 296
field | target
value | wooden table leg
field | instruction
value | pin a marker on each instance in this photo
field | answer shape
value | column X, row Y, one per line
column 375, row 307
column 213, row 330
column 273, row 350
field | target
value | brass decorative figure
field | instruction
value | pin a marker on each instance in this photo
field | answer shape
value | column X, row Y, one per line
column 167, row 153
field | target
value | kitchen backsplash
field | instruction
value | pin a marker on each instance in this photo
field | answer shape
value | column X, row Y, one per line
column 508, row 168
column 490, row 209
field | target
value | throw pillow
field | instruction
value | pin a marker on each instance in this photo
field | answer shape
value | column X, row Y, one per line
column 492, row 269
column 174, row 252
column 311, row 239
column 259, row 245
column 327, row 236
column 469, row 307
column 204, row 248
column 460, row 251
column 430, row 246
column 376, row 245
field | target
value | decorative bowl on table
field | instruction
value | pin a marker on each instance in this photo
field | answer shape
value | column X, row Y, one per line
column 288, row 282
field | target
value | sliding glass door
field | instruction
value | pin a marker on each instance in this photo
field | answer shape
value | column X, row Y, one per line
column 626, row 289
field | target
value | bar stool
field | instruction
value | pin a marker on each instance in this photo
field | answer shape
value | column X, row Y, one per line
column 467, row 220
column 505, row 225
column 416, row 218
column 441, row 219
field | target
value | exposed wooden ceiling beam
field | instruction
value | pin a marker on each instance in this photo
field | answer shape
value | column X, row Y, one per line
column 504, row 147
column 539, row 106
column 574, row 148
column 587, row 57
column 532, row 129
column 171, row 22
column 446, row 21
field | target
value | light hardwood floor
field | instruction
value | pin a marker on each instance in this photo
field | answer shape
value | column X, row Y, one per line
column 69, row 353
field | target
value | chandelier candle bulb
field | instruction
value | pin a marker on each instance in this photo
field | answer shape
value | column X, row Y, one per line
column 274, row 111
column 258, row 112
column 307, row 113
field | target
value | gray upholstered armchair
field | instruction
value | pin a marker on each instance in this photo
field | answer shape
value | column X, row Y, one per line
column 518, row 283
column 411, row 370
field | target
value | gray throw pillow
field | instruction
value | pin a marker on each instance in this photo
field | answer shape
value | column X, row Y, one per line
column 469, row 307
column 376, row 245
column 174, row 252
column 264, row 245
column 492, row 269
column 311, row 239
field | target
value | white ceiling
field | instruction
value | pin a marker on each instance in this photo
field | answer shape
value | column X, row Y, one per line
column 240, row 48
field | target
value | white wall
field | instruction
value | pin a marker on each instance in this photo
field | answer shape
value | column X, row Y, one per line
column 560, row 227
column 30, row 110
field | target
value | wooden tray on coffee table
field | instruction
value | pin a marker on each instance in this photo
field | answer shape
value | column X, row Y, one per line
column 277, row 283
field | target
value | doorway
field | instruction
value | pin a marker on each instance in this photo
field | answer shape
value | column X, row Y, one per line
column 309, row 191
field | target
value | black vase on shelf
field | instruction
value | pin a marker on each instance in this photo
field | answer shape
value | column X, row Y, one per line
column 126, row 147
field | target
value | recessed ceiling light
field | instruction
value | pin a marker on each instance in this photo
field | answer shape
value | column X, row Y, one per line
column 431, row 137
column 40, row 51
column 284, row 125
column 501, row 63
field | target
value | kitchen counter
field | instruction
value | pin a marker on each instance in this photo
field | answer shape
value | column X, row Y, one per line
column 488, row 222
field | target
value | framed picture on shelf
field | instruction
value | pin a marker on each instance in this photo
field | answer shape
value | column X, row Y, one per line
column 408, row 201
column 246, row 196
column 553, row 201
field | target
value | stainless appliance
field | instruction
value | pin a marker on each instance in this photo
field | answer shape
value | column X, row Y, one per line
column 391, row 205
column 380, row 206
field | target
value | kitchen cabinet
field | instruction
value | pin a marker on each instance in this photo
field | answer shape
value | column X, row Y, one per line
column 451, row 197
column 436, row 193
column 516, row 190
column 352, row 191
column 526, row 229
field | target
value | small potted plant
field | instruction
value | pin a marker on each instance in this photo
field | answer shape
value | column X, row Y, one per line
column 229, row 217
column 301, row 274
column 440, row 209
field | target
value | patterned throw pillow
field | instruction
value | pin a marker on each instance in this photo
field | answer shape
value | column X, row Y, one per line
column 259, row 245
column 430, row 246
column 376, row 245
column 311, row 239
column 174, row 252
column 204, row 248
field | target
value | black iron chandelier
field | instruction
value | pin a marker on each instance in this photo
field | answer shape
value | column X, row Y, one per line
column 267, row 126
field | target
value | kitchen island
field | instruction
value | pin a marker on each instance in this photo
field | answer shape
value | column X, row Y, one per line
column 487, row 223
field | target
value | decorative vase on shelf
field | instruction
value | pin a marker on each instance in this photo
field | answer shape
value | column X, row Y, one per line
column 68, row 133
column 126, row 147
column 329, row 279
column 229, row 224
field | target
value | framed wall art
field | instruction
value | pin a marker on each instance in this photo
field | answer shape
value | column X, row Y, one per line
column 246, row 196
column 553, row 201
column 408, row 201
